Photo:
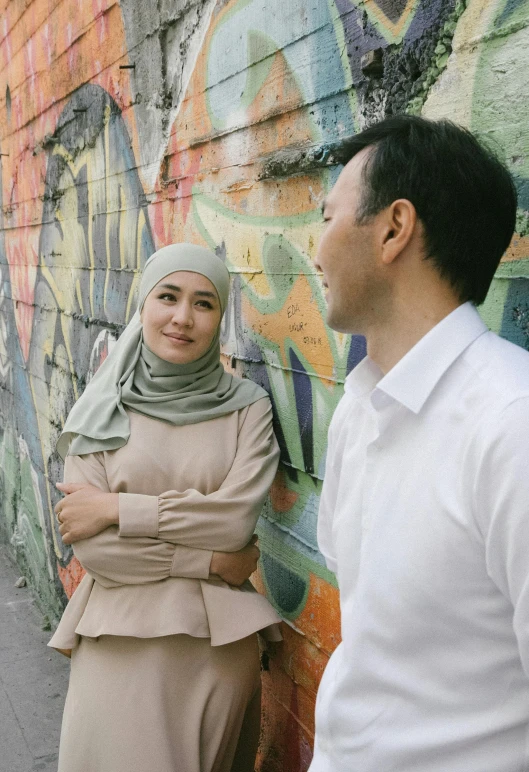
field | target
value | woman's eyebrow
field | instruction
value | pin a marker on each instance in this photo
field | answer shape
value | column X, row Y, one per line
column 200, row 293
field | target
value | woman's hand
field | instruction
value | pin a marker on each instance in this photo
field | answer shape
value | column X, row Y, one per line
column 85, row 511
column 236, row 567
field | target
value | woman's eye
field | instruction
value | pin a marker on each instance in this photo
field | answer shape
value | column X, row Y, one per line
column 167, row 296
column 204, row 304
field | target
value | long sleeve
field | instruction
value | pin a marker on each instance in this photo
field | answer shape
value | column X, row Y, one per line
column 148, row 585
column 225, row 518
column 112, row 560
column 502, row 508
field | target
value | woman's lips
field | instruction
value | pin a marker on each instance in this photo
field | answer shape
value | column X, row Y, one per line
column 178, row 339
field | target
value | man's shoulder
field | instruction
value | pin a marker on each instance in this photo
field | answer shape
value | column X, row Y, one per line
column 500, row 368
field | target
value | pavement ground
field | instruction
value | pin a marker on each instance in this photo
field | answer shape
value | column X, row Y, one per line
column 33, row 681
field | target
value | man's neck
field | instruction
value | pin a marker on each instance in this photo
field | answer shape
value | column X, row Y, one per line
column 389, row 341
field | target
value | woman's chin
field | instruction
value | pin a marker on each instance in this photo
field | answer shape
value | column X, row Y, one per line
column 175, row 354
column 178, row 357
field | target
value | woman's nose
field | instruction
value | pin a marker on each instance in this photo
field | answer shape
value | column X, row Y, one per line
column 182, row 314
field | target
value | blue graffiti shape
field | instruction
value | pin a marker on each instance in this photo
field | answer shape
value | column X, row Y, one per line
column 393, row 9
column 287, row 589
column 304, row 410
column 357, row 351
column 510, row 7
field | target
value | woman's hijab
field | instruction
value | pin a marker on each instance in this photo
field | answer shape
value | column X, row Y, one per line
column 134, row 377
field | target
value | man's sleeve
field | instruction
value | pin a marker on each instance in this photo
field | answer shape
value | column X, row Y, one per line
column 502, row 509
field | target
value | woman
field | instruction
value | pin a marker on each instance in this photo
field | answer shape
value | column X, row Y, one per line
column 169, row 461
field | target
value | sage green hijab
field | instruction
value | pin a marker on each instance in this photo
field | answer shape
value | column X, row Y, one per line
column 134, row 377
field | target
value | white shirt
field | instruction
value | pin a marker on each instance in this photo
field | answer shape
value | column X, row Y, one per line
column 424, row 517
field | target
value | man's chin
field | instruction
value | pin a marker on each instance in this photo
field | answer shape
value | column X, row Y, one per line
column 337, row 322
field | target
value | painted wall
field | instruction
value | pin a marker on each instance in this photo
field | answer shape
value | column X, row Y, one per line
column 126, row 126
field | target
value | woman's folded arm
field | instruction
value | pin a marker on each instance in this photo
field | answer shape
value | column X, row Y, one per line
column 226, row 518
column 172, row 535
column 112, row 560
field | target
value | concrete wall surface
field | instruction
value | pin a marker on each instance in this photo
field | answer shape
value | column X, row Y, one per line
column 128, row 125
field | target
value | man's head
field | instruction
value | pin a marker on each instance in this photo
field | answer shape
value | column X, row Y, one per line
column 409, row 183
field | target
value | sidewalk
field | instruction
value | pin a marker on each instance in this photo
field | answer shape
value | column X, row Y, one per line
column 33, row 681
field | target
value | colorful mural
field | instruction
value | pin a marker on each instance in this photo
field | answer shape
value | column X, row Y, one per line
column 124, row 127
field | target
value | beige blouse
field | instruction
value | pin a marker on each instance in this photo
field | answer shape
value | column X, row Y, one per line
column 184, row 491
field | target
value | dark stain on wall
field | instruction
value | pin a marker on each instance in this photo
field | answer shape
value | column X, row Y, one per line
column 90, row 245
column 407, row 66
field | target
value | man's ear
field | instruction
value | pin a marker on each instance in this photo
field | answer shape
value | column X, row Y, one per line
column 398, row 224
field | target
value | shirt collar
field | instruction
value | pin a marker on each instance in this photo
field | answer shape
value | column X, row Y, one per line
column 411, row 381
column 363, row 378
column 414, row 377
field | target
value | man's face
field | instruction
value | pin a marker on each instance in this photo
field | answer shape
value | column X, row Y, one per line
column 347, row 255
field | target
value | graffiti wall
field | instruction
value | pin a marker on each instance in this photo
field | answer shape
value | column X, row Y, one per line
column 126, row 126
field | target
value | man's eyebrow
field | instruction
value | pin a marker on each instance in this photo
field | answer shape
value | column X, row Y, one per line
column 200, row 293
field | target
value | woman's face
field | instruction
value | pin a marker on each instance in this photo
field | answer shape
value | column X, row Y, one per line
column 180, row 317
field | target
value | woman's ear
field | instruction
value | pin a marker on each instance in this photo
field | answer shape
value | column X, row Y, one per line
column 398, row 224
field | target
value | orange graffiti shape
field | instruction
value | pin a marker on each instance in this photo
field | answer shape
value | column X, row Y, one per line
column 70, row 576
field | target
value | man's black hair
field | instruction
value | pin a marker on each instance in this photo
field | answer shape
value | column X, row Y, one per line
column 463, row 195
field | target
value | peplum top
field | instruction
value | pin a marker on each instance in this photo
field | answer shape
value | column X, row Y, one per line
column 184, row 492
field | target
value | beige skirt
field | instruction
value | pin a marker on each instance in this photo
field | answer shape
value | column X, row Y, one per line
column 169, row 704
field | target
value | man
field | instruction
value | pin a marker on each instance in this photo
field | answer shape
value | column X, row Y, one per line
column 424, row 512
